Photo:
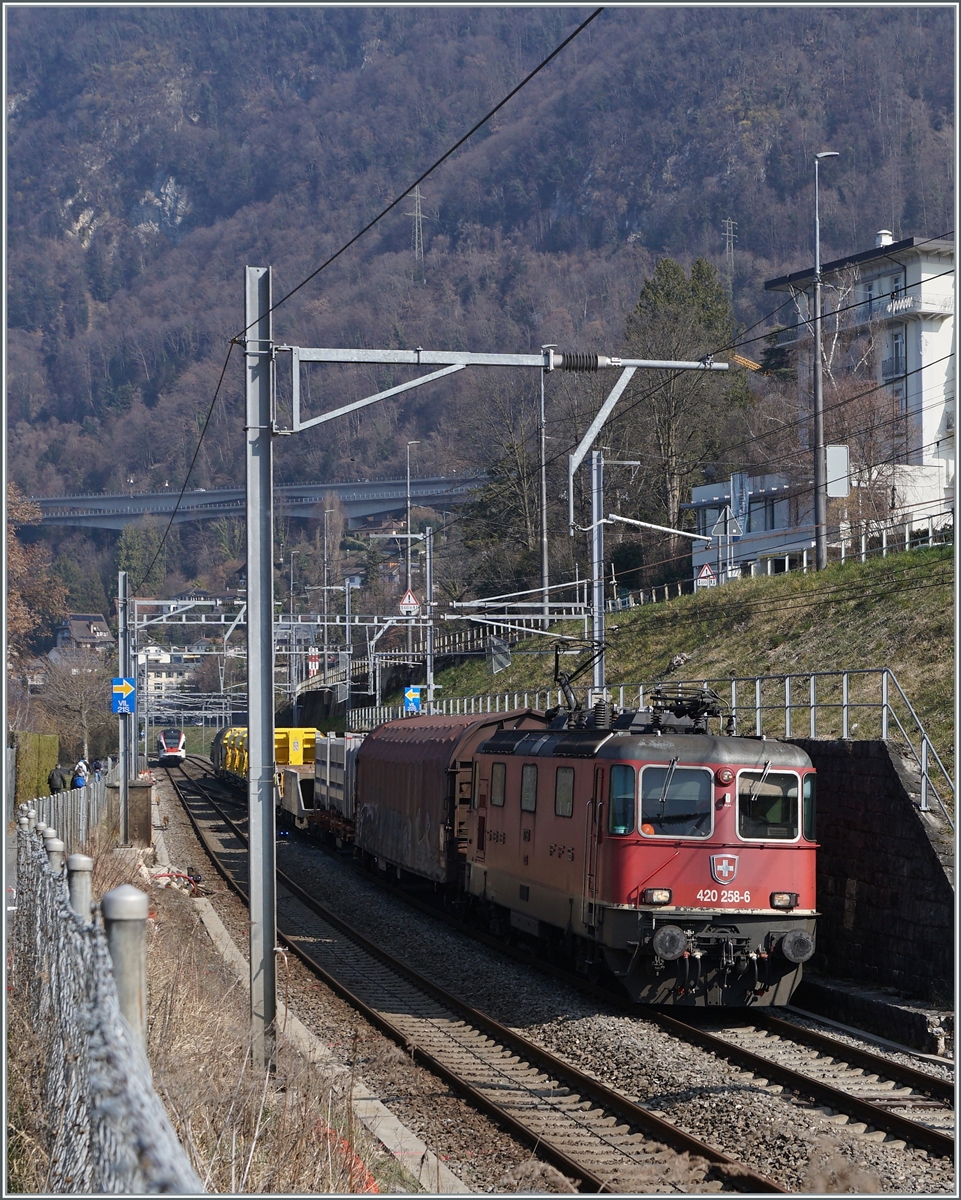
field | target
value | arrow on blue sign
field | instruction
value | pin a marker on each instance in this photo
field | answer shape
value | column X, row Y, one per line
column 412, row 700
column 124, row 697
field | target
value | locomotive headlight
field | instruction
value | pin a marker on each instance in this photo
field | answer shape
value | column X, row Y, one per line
column 724, row 776
column 656, row 896
column 784, row 899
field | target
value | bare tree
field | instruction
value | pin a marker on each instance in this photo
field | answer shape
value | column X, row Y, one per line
column 76, row 696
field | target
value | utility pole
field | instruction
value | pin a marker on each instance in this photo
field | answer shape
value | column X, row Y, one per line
column 820, row 472
column 545, row 569
column 429, row 605
column 598, row 682
column 350, row 644
column 417, row 237
column 410, row 628
column 730, row 237
column 327, row 512
column 126, row 751
column 260, row 666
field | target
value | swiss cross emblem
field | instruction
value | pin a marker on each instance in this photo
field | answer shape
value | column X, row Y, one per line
column 723, row 867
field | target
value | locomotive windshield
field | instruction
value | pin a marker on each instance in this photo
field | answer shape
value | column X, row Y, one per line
column 676, row 801
column 171, row 735
column 767, row 805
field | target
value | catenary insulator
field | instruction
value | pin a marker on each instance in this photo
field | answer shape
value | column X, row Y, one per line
column 583, row 362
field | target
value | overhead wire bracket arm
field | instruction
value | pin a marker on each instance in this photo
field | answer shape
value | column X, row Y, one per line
column 698, row 537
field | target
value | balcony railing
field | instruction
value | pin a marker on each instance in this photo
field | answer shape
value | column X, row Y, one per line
column 893, row 367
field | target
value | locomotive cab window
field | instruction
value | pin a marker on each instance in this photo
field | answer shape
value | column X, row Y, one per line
column 498, row 772
column 564, row 792
column 676, row 801
column 808, row 794
column 621, row 810
column 528, row 787
column 767, row 805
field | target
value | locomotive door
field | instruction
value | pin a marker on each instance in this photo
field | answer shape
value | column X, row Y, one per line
column 593, row 818
column 481, row 787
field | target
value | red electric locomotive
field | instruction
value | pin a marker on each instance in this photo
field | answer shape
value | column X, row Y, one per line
column 641, row 844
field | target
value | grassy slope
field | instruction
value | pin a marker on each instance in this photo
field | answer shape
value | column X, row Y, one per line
column 895, row 612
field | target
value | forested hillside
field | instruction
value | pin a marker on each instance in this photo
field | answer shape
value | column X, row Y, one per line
column 153, row 151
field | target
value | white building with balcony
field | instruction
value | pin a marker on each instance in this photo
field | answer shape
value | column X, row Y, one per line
column 896, row 302
column 892, row 309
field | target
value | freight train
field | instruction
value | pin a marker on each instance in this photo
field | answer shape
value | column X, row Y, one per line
column 171, row 747
column 638, row 845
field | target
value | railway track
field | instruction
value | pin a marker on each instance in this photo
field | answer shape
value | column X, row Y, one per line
column 595, row 1135
column 868, row 1093
column 848, row 1082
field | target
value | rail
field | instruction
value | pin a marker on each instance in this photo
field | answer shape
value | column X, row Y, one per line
column 868, row 703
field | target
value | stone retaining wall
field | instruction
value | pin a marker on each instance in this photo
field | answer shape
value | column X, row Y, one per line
column 885, row 873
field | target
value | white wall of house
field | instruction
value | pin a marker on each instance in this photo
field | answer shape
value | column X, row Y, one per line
column 902, row 293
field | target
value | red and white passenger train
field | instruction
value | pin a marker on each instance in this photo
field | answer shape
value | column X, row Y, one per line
column 638, row 844
column 171, row 747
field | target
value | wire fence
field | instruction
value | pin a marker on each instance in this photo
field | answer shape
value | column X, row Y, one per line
column 109, row 1132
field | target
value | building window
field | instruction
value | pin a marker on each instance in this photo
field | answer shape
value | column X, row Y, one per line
column 706, row 518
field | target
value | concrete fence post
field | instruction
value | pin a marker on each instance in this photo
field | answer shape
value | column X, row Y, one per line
column 54, row 848
column 80, row 884
column 23, row 823
column 32, row 818
column 125, row 921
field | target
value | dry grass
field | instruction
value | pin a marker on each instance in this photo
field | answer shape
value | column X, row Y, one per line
column 245, row 1132
column 28, row 1132
column 894, row 612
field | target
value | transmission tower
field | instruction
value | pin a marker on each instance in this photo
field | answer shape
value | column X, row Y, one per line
column 417, row 237
column 729, row 239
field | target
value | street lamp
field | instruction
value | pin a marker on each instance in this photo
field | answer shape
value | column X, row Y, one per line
column 820, row 470
column 409, row 444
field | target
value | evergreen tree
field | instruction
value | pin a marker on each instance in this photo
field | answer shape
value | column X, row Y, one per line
column 137, row 554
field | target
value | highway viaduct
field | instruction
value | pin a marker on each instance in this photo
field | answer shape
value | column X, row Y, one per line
column 358, row 500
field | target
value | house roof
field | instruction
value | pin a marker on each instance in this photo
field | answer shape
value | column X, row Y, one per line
column 803, row 278
column 86, row 629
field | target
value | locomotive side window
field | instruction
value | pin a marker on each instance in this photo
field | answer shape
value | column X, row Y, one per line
column 676, row 801
column 620, row 813
column 528, row 787
column 564, row 792
column 498, row 773
column 767, row 805
column 808, row 795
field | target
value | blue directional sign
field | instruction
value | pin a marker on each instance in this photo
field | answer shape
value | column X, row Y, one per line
column 124, row 697
column 411, row 701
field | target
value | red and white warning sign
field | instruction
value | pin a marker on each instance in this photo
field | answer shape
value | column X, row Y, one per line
column 409, row 606
column 706, row 577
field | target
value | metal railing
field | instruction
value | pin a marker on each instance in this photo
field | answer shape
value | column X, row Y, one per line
column 867, row 703
column 109, row 1131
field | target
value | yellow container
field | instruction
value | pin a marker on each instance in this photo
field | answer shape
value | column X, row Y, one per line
column 294, row 747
